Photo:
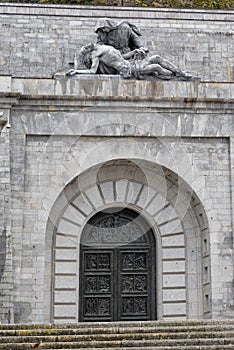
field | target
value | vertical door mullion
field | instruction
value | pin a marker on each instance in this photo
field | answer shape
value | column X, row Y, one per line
column 115, row 285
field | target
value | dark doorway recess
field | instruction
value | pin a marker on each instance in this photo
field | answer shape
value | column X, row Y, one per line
column 117, row 268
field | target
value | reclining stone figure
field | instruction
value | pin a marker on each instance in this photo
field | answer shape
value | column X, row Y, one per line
column 133, row 64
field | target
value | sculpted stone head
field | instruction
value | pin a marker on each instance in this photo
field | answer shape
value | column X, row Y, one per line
column 85, row 56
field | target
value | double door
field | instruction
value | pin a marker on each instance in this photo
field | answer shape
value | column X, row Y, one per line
column 117, row 275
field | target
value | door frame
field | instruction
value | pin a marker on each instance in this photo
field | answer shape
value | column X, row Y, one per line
column 115, row 252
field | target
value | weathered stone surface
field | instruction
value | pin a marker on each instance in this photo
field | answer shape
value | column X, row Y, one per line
column 190, row 139
column 135, row 335
column 77, row 146
column 43, row 39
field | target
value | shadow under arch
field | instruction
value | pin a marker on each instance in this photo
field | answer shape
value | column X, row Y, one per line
column 171, row 207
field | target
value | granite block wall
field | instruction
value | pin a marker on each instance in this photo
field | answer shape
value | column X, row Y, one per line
column 61, row 128
column 6, row 278
column 37, row 40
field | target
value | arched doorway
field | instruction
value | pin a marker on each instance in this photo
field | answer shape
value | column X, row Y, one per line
column 179, row 225
column 117, row 268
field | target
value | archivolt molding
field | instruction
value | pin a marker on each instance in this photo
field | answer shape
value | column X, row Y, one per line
column 79, row 159
column 169, row 206
column 152, row 192
column 156, row 209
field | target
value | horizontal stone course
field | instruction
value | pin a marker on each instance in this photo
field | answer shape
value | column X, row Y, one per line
column 49, row 42
column 85, row 85
column 55, row 125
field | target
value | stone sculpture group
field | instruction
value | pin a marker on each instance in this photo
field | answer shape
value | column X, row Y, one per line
column 119, row 50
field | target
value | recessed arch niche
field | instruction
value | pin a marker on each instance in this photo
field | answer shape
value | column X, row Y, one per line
column 173, row 212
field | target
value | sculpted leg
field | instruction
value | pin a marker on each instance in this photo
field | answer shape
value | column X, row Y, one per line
column 169, row 66
column 155, row 68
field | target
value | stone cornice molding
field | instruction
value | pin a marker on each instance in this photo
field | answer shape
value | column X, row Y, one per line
column 117, row 12
column 183, row 103
column 7, row 101
column 98, row 91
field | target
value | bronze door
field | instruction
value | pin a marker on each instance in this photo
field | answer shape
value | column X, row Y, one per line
column 117, row 274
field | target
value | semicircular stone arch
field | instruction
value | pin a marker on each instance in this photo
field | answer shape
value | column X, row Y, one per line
column 177, row 221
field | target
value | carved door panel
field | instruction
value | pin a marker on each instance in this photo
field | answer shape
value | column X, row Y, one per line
column 97, row 285
column 135, row 280
column 117, row 275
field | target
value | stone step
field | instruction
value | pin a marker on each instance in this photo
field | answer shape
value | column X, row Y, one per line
column 189, row 347
column 118, row 337
column 114, row 330
column 199, row 347
column 157, row 335
column 171, row 343
column 125, row 324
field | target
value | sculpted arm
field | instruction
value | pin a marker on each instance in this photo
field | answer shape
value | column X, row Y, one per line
column 141, row 53
column 95, row 64
column 129, row 54
column 92, row 70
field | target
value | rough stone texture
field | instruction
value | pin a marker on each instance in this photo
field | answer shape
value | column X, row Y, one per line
column 37, row 40
column 179, row 335
column 164, row 148
column 185, row 129
column 172, row 269
column 6, row 311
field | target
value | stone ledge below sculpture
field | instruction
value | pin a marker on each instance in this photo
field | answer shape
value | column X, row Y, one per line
column 112, row 87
